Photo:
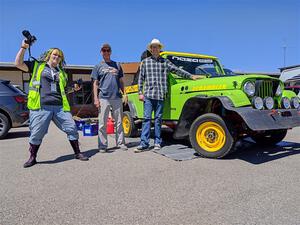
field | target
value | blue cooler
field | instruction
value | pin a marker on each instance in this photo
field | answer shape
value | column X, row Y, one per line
column 90, row 129
column 79, row 124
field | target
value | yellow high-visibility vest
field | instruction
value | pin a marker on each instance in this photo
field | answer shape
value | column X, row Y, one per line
column 34, row 98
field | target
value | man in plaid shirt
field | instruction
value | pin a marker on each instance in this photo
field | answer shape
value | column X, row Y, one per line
column 153, row 88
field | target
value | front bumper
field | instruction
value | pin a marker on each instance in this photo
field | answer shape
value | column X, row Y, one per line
column 274, row 119
column 259, row 120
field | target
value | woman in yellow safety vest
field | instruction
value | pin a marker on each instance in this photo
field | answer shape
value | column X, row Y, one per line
column 47, row 100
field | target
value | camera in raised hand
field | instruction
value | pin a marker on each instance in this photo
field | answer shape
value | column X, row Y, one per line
column 30, row 39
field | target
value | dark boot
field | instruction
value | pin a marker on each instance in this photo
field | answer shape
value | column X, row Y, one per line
column 78, row 154
column 33, row 149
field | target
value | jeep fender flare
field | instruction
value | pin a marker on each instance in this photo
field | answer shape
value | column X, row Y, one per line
column 195, row 107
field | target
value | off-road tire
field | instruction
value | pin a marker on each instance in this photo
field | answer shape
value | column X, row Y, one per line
column 210, row 137
column 129, row 127
column 269, row 138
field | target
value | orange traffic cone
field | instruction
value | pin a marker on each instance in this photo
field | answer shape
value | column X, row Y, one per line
column 110, row 126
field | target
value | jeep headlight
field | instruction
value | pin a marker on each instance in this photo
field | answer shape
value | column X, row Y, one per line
column 249, row 88
column 268, row 102
column 257, row 102
column 278, row 91
column 295, row 102
column 285, row 103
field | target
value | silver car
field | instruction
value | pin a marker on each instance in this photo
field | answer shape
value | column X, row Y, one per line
column 13, row 109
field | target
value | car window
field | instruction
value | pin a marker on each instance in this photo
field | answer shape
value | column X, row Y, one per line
column 14, row 89
column 197, row 66
column 6, row 85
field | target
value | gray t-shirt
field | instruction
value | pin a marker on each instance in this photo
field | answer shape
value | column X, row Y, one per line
column 109, row 82
column 48, row 96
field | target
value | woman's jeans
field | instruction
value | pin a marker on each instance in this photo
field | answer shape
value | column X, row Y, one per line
column 149, row 106
column 40, row 120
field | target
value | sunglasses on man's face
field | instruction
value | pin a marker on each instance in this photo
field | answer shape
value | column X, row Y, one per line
column 106, row 50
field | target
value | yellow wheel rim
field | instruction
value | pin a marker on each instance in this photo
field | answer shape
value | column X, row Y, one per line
column 126, row 124
column 210, row 136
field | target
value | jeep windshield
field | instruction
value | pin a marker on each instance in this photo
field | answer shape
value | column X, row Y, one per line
column 197, row 66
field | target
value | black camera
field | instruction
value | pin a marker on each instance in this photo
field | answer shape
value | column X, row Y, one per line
column 29, row 38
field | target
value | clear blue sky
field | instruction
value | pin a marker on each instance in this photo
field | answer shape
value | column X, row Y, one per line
column 245, row 35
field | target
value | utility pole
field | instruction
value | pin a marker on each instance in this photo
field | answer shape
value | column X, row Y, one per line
column 284, row 53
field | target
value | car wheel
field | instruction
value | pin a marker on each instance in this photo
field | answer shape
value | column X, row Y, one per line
column 130, row 129
column 4, row 125
column 269, row 138
column 210, row 137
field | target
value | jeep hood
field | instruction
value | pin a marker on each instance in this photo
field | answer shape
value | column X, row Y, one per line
column 225, row 82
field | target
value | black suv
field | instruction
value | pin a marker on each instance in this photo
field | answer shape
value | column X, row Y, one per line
column 13, row 109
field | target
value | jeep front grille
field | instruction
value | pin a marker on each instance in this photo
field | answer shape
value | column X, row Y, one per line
column 265, row 88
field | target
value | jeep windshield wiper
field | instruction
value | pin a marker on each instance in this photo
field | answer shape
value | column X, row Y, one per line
column 204, row 71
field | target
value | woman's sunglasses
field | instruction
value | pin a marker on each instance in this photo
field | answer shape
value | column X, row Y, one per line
column 106, row 50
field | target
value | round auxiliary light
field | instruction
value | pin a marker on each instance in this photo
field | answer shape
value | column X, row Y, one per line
column 268, row 102
column 285, row 103
column 249, row 88
column 257, row 102
column 295, row 102
column 278, row 91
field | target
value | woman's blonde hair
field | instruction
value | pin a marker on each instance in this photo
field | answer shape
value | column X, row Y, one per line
column 46, row 56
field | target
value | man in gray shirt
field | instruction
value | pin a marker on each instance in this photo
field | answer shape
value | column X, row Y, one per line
column 108, row 79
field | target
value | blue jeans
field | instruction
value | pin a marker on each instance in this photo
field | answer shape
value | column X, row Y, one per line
column 40, row 120
column 149, row 106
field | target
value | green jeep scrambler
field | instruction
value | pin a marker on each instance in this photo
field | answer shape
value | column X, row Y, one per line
column 219, row 109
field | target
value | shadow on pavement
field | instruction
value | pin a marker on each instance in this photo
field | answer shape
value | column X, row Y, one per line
column 245, row 149
column 131, row 144
column 17, row 134
column 255, row 154
column 89, row 153
column 63, row 158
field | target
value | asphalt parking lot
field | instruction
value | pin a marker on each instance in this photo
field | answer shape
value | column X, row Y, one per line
column 252, row 186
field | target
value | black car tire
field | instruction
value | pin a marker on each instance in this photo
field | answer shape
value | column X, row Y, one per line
column 4, row 125
column 210, row 136
column 269, row 138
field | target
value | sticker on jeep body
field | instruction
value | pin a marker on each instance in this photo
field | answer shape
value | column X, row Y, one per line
column 188, row 59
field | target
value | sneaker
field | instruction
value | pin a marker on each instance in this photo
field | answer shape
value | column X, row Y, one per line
column 157, row 147
column 102, row 150
column 123, row 147
column 140, row 149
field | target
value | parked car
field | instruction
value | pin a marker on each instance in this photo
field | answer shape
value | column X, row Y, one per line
column 216, row 111
column 293, row 84
column 13, row 109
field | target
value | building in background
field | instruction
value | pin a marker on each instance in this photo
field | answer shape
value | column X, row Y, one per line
column 81, row 100
column 291, row 77
column 289, row 72
column 8, row 71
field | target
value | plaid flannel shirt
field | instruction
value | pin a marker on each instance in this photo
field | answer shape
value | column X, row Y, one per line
column 153, row 77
